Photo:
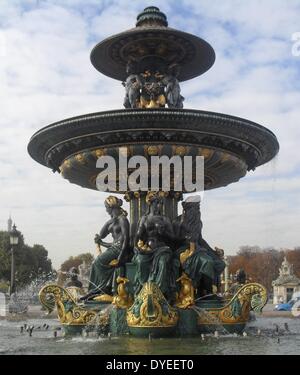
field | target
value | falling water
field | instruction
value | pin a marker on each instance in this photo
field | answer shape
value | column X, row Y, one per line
column 98, row 326
column 28, row 295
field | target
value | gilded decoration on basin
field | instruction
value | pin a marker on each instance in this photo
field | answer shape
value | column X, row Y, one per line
column 151, row 309
column 66, row 164
column 186, row 296
column 249, row 297
column 152, row 150
column 219, row 164
column 99, row 152
column 207, row 153
column 105, row 298
column 123, row 299
column 80, row 158
column 180, row 150
column 69, row 312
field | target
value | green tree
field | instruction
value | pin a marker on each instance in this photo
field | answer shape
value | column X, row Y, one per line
column 262, row 265
column 4, row 256
column 29, row 260
column 76, row 261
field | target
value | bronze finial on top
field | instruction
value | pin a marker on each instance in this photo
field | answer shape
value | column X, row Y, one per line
column 151, row 16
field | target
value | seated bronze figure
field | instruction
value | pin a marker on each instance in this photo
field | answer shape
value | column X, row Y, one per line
column 104, row 266
column 198, row 261
column 153, row 254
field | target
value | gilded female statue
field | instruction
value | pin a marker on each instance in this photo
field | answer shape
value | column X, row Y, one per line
column 104, row 266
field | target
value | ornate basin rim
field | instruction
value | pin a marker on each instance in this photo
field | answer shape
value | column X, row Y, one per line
column 186, row 121
column 102, row 55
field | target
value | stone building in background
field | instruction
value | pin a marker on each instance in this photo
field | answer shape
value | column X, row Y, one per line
column 286, row 284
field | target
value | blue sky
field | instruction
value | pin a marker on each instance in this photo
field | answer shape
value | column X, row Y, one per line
column 46, row 76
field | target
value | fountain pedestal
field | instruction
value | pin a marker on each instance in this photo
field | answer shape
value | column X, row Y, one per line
column 187, row 323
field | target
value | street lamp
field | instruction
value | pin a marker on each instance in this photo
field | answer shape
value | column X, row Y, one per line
column 14, row 240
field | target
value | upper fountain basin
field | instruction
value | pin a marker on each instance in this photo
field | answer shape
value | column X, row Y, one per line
column 231, row 146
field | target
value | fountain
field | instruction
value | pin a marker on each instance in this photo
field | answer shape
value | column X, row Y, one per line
column 28, row 295
column 158, row 277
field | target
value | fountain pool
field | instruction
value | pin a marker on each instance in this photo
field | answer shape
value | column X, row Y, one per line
column 268, row 342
